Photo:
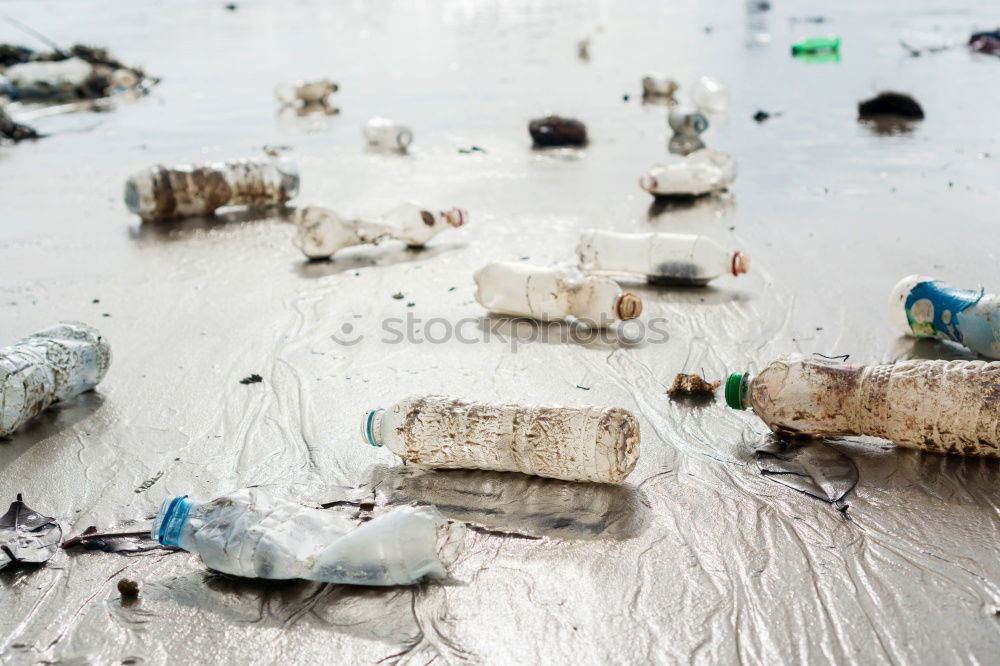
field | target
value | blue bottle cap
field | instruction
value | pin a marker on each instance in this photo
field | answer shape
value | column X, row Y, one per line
column 173, row 514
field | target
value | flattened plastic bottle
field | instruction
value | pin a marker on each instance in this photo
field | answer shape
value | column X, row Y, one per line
column 938, row 406
column 56, row 363
column 571, row 443
column 685, row 259
column 553, row 294
column 702, row 172
column 254, row 534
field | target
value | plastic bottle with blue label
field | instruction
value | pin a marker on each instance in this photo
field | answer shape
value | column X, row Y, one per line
column 251, row 533
column 927, row 308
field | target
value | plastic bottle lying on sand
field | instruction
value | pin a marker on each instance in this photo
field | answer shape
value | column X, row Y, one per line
column 162, row 193
column 56, row 363
column 710, row 95
column 701, row 172
column 514, row 288
column 657, row 84
column 322, row 232
column 250, row 533
column 939, row 406
column 685, row 120
column 387, row 134
column 659, row 257
column 569, row 443
column 46, row 79
column 927, row 308
column 313, row 91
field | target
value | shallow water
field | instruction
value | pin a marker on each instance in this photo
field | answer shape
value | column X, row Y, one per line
column 700, row 559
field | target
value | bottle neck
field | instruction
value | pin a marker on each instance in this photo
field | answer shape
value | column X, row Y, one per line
column 170, row 520
column 371, row 427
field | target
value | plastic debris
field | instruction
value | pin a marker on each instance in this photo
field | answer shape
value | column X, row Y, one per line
column 685, row 259
column 893, row 104
column 700, row 173
column 938, row 406
column 710, row 95
column 15, row 131
column 254, row 534
column 557, row 131
column 26, row 536
column 552, row 294
column 322, row 232
column 986, row 42
column 54, row 364
column 80, row 72
column 927, row 308
column 163, row 193
column 387, row 134
column 816, row 45
column 692, row 385
column 761, row 116
column 313, row 91
column 686, row 120
column 569, row 443
column 657, row 85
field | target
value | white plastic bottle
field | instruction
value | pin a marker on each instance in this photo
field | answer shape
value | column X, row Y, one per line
column 321, row 232
column 659, row 257
column 253, row 534
column 939, row 406
column 515, row 288
column 927, row 308
column 56, row 363
column 701, row 172
column 710, row 95
column 569, row 443
column 387, row 134
column 162, row 193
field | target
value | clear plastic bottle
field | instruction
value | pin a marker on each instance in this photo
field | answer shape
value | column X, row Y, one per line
column 571, row 443
column 939, row 406
column 659, row 257
column 321, row 232
column 56, row 363
column 552, row 294
column 253, row 534
column 927, row 308
column 387, row 134
column 700, row 173
column 162, row 193
column 710, row 95
column 686, row 120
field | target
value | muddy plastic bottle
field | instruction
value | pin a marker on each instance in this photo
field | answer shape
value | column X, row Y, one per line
column 162, row 193
column 552, row 294
column 313, row 91
column 927, row 308
column 387, row 134
column 939, row 406
column 700, row 173
column 46, row 79
column 656, row 84
column 684, row 259
column 253, row 534
column 571, row 443
column 321, row 232
column 56, row 363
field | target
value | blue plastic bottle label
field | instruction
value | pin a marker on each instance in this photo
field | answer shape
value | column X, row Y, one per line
column 931, row 309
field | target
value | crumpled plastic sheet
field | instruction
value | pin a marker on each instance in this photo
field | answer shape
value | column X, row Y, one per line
column 698, row 557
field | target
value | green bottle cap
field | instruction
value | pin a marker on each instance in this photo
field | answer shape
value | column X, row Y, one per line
column 736, row 390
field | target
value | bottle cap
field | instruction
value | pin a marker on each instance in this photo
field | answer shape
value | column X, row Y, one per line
column 648, row 182
column 736, row 390
column 371, row 427
column 629, row 306
column 169, row 521
column 741, row 263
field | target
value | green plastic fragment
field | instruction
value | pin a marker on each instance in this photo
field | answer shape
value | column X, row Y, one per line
column 816, row 45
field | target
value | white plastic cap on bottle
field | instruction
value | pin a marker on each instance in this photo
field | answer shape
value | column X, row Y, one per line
column 897, row 301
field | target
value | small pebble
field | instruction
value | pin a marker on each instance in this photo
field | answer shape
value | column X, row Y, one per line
column 128, row 587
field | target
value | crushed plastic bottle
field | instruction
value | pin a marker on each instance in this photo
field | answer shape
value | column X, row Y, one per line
column 664, row 258
column 939, row 406
column 313, row 91
column 321, row 232
column 163, row 193
column 598, row 444
column 686, row 120
column 46, row 79
column 657, row 84
column 701, row 172
column 927, row 308
column 250, row 533
column 816, row 45
column 710, row 95
column 54, row 364
column 387, row 134
column 552, row 294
